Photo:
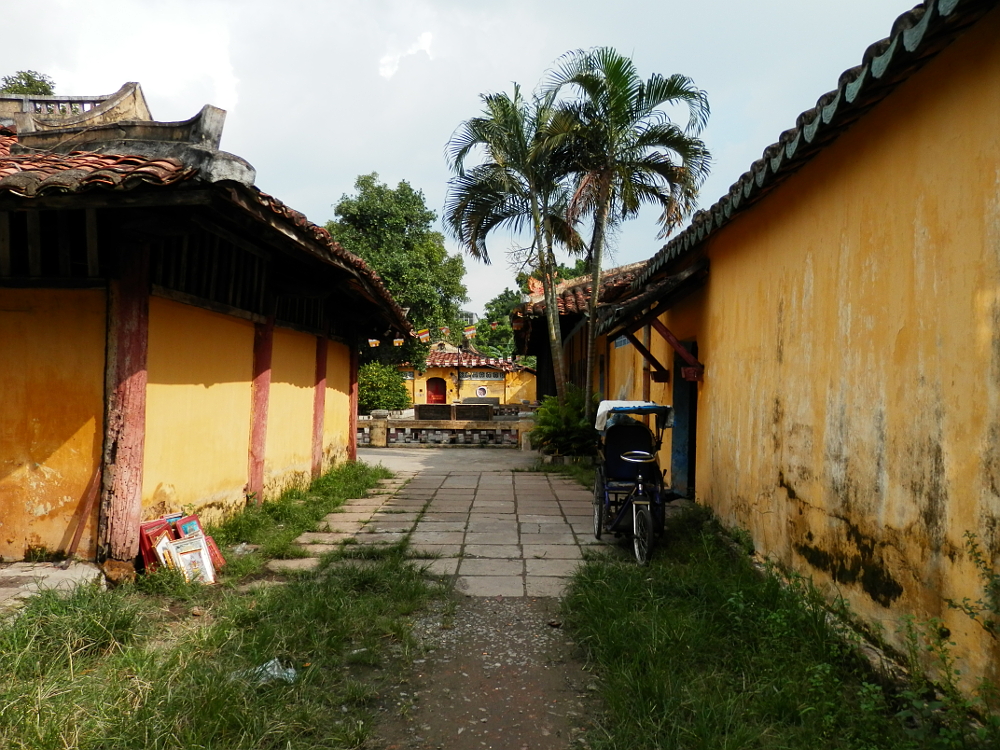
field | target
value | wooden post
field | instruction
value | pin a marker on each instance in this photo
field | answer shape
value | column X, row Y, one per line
column 645, row 368
column 352, row 420
column 263, row 346
column 125, row 417
column 319, row 407
column 4, row 243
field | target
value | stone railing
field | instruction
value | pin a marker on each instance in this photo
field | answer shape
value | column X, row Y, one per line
column 383, row 433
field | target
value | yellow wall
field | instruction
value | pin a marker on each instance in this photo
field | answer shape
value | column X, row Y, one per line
column 337, row 414
column 850, row 413
column 200, row 364
column 288, row 455
column 515, row 387
column 52, row 426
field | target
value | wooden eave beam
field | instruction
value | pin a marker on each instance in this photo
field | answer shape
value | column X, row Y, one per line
column 660, row 374
column 686, row 281
column 155, row 197
column 286, row 230
column 695, row 369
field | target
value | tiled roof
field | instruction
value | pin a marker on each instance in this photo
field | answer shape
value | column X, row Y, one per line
column 34, row 175
column 573, row 295
column 322, row 237
column 916, row 36
column 58, row 173
column 462, row 359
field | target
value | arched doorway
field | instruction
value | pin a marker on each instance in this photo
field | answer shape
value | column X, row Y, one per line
column 437, row 391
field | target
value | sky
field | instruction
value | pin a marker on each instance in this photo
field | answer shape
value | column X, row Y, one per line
column 320, row 91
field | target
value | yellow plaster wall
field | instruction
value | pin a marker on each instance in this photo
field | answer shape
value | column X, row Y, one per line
column 850, row 414
column 520, row 387
column 288, row 453
column 336, row 415
column 516, row 386
column 625, row 372
column 200, row 365
column 52, row 426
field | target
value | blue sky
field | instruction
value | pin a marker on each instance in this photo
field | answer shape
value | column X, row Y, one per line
column 319, row 92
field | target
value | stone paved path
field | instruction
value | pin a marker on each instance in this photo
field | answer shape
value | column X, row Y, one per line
column 22, row 579
column 498, row 532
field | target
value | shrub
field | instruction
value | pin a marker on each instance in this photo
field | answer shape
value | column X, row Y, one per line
column 561, row 430
column 381, row 387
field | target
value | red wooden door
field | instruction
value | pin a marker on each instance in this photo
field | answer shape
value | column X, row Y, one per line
column 436, row 391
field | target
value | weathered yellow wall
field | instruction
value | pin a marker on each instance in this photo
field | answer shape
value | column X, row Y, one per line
column 625, row 368
column 52, row 425
column 288, row 455
column 200, row 364
column 520, row 387
column 516, row 386
column 336, row 415
column 850, row 414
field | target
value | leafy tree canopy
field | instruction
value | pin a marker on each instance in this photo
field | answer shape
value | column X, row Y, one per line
column 381, row 386
column 494, row 336
column 391, row 229
column 28, row 82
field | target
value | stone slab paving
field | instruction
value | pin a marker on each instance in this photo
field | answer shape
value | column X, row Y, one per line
column 498, row 532
column 22, row 579
column 470, row 517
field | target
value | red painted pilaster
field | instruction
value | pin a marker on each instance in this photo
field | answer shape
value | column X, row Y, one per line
column 319, row 407
column 125, row 418
column 352, row 420
column 263, row 346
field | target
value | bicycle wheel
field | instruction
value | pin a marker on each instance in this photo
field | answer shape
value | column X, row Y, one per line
column 598, row 503
column 642, row 538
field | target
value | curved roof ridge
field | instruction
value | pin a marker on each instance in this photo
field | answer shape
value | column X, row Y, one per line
column 916, row 36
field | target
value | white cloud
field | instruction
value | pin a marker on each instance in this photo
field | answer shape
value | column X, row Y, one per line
column 389, row 63
column 310, row 117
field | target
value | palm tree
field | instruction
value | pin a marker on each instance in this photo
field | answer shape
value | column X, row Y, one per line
column 626, row 150
column 513, row 189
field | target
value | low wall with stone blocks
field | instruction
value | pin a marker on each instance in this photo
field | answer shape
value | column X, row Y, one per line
column 381, row 433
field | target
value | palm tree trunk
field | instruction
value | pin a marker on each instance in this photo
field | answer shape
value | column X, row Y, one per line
column 597, row 251
column 546, row 265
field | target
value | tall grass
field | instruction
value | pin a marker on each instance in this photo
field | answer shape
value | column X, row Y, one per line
column 167, row 665
column 700, row 651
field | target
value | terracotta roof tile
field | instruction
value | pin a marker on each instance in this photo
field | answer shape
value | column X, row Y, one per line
column 462, row 359
column 39, row 174
column 322, row 237
column 6, row 141
column 573, row 295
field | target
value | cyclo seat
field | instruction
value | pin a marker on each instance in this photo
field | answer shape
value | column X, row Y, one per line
column 628, row 435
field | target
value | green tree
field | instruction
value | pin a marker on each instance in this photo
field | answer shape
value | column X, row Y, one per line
column 494, row 336
column 28, row 82
column 512, row 188
column 391, row 229
column 625, row 149
column 381, row 386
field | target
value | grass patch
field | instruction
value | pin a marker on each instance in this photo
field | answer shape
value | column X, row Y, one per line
column 169, row 665
column 583, row 474
column 700, row 651
column 274, row 525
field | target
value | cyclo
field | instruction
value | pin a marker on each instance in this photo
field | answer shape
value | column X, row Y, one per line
column 629, row 496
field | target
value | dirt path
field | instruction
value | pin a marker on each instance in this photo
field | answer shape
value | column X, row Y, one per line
column 496, row 668
column 495, row 673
